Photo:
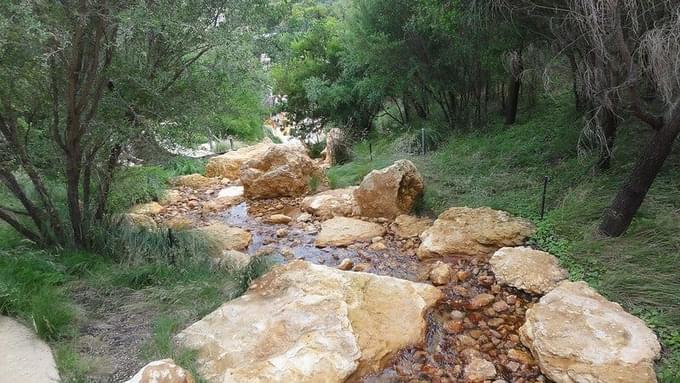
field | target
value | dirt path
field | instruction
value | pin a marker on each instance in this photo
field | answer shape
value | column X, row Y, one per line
column 115, row 327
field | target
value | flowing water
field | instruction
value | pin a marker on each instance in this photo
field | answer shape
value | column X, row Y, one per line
column 459, row 328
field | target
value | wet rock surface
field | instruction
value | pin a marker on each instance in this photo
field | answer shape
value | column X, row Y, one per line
column 471, row 334
column 456, row 325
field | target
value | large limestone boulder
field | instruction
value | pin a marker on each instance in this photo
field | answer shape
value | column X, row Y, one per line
column 222, row 238
column 576, row 335
column 467, row 231
column 162, row 371
column 331, row 203
column 229, row 165
column 343, row 231
column 309, row 323
column 408, row 226
column 193, row 181
column 281, row 171
column 391, row 191
column 524, row 268
column 23, row 356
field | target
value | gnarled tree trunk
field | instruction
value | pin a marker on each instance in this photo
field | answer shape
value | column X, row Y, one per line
column 629, row 199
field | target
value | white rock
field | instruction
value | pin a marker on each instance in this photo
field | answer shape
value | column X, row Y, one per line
column 24, row 358
column 576, row 335
column 162, row 371
column 342, row 231
column 527, row 269
column 309, row 323
column 231, row 191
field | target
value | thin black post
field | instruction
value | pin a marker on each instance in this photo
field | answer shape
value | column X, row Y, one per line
column 545, row 190
column 231, row 143
column 422, row 137
column 172, row 241
column 370, row 150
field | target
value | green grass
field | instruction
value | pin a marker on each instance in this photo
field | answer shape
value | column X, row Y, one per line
column 142, row 184
column 37, row 287
column 503, row 168
column 32, row 288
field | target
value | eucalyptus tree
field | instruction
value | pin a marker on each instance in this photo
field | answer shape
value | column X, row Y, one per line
column 630, row 66
column 81, row 80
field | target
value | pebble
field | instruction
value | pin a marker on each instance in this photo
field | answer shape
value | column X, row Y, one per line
column 346, row 264
column 455, row 314
column 500, row 306
column 480, row 301
column 378, row 246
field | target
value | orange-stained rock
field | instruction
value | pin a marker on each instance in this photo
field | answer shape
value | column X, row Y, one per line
column 281, row 171
column 228, row 165
column 391, row 191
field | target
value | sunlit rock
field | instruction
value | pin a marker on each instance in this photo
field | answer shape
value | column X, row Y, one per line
column 229, row 165
column 389, row 192
column 576, row 335
column 524, row 268
column 162, row 371
column 331, row 203
column 467, row 231
column 222, row 237
column 281, row 171
column 308, row 323
column 343, row 231
column 23, row 356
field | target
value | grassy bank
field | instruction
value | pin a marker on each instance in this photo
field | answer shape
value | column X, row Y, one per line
column 503, row 167
column 66, row 295
column 137, row 286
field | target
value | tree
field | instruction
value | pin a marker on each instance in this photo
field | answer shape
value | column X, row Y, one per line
column 84, row 79
column 627, row 47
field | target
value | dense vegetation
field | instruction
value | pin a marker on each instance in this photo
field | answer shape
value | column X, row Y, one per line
column 501, row 94
column 487, row 97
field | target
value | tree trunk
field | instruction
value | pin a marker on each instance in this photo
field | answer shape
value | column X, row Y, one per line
column 628, row 200
column 513, row 101
column 609, row 124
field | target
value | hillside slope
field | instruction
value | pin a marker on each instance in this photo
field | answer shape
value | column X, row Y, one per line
column 503, row 167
